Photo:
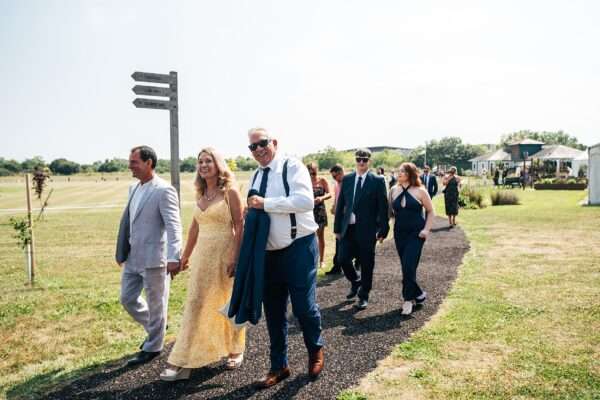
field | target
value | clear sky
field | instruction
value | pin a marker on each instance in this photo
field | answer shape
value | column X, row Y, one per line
column 315, row 73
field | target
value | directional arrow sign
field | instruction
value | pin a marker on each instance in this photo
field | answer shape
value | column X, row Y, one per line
column 152, row 90
column 151, row 77
column 149, row 103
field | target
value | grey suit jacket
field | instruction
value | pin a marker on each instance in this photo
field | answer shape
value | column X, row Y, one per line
column 155, row 235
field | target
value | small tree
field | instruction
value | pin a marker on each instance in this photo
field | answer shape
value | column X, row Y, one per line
column 188, row 164
column 40, row 176
column 63, row 166
column 23, row 233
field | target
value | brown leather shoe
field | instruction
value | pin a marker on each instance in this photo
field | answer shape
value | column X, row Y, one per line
column 272, row 378
column 316, row 362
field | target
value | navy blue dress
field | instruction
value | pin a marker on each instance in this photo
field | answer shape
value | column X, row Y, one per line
column 409, row 221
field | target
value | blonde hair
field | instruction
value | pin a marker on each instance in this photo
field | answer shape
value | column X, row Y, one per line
column 225, row 178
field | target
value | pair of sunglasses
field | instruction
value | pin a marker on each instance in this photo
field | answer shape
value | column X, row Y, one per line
column 262, row 143
column 362, row 159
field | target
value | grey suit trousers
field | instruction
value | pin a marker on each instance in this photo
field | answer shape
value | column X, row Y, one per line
column 151, row 312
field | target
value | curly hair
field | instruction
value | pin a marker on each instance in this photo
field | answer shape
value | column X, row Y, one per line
column 225, row 180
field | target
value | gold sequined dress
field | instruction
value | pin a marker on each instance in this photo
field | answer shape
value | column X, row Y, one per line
column 206, row 335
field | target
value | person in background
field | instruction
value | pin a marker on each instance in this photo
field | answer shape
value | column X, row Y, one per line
column 337, row 173
column 451, row 181
column 321, row 193
column 429, row 181
column 393, row 179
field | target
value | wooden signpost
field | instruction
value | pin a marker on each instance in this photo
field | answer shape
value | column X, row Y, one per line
column 31, row 245
column 171, row 104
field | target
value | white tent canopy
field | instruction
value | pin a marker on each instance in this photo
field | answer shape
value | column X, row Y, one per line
column 578, row 162
column 557, row 153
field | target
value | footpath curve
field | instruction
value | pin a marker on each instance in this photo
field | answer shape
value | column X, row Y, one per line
column 355, row 340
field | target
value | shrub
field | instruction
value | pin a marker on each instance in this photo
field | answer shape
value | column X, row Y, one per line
column 504, row 197
column 471, row 197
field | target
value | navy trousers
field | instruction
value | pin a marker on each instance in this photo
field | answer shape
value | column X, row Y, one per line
column 409, row 246
column 291, row 273
column 362, row 250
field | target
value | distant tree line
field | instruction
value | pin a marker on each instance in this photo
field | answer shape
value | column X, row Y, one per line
column 444, row 152
column 558, row 137
column 62, row 166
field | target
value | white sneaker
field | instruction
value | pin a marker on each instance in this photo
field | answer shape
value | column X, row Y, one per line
column 175, row 374
column 407, row 308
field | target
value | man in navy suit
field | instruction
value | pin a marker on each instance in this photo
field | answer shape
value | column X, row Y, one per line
column 361, row 219
column 429, row 181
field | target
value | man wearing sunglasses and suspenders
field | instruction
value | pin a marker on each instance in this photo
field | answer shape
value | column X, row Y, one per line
column 361, row 219
column 285, row 193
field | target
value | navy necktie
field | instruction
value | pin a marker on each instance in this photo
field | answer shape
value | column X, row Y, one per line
column 263, row 182
column 357, row 193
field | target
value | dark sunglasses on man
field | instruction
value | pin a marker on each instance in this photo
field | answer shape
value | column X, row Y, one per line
column 262, row 143
column 362, row 159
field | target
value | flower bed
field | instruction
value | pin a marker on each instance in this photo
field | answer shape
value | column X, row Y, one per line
column 560, row 186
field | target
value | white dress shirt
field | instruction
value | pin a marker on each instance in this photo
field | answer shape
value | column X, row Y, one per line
column 279, row 207
column 363, row 176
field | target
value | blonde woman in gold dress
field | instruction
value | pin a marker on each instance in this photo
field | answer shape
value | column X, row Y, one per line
column 211, row 253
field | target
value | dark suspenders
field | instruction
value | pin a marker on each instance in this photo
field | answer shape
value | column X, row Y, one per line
column 287, row 193
column 286, row 186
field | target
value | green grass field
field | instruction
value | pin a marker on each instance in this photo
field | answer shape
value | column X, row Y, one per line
column 72, row 319
column 523, row 318
column 521, row 322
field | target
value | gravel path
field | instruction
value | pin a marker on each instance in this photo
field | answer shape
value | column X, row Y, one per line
column 355, row 340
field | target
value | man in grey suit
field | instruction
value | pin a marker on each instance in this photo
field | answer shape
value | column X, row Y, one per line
column 148, row 250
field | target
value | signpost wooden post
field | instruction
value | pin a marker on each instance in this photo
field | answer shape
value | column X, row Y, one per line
column 172, row 105
column 30, row 245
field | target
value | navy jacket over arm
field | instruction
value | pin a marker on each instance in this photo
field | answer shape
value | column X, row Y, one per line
column 246, row 298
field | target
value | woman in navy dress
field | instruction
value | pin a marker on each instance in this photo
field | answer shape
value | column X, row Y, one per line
column 408, row 199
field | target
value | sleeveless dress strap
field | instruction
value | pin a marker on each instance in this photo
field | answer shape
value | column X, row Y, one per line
column 226, row 198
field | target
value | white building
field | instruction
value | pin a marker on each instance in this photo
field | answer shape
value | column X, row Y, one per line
column 490, row 161
column 594, row 175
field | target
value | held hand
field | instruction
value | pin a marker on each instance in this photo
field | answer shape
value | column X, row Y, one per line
column 184, row 263
column 380, row 239
column 338, row 236
column 424, row 234
column 318, row 201
column 256, row 202
column 231, row 269
column 173, row 268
